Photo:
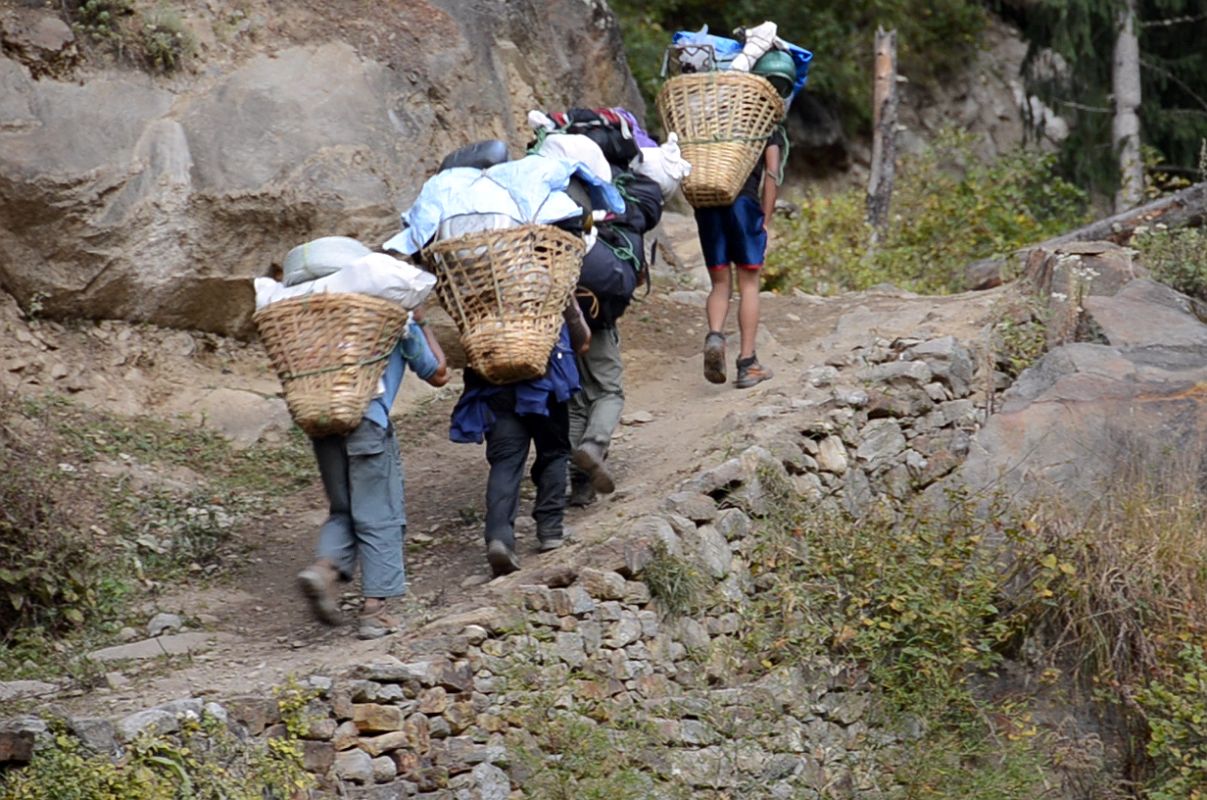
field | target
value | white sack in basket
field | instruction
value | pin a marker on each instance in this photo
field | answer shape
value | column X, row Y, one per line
column 576, row 147
column 320, row 258
column 376, row 274
column 664, row 165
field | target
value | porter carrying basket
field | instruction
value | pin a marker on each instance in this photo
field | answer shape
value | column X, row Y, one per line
column 329, row 351
column 506, row 291
column 723, row 119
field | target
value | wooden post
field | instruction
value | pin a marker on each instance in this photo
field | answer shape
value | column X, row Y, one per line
column 884, row 132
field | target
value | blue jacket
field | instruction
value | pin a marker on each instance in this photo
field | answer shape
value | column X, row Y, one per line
column 472, row 417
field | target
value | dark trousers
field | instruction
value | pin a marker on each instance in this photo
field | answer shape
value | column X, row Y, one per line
column 507, row 445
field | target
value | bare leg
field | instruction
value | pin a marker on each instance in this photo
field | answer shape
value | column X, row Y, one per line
column 748, row 309
column 717, row 307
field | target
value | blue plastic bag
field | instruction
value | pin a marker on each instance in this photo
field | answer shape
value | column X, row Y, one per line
column 803, row 58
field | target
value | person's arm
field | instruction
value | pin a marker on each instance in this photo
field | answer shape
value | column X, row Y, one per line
column 440, row 375
column 580, row 332
column 771, row 164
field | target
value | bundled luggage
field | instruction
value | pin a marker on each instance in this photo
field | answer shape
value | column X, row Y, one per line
column 328, row 338
column 506, row 244
column 725, row 102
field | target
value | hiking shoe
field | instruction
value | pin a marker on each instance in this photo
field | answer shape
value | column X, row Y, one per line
column 376, row 625
column 751, row 373
column 714, row 357
column 318, row 585
column 502, row 559
column 551, row 543
column 582, row 494
column 589, row 457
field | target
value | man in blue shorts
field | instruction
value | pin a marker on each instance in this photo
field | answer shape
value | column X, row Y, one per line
column 734, row 238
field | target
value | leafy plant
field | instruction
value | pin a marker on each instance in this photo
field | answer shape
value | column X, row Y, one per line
column 166, row 40
column 100, row 19
column 948, row 210
column 1175, row 707
column 204, row 760
column 1177, row 257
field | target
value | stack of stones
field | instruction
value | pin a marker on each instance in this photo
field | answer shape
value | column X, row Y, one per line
column 872, row 426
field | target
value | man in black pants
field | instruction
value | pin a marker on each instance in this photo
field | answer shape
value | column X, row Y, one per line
column 512, row 418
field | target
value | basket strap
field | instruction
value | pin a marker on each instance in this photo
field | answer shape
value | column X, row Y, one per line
column 308, row 373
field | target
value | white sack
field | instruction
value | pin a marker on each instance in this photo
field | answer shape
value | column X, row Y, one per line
column 574, row 147
column 664, row 165
column 376, row 274
column 320, row 258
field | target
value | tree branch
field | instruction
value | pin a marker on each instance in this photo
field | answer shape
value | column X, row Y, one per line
column 1157, row 68
column 1165, row 23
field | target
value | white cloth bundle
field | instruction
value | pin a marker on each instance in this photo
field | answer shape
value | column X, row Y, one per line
column 320, row 258
column 376, row 274
column 664, row 165
column 759, row 40
column 574, row 147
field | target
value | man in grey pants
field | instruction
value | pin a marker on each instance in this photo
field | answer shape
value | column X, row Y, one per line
column 362, row 475
column 612, row 271
column 594, row 414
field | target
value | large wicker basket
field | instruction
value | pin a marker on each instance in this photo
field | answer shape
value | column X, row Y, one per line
column 329, row 351
column 506, row 291
column 723, row 120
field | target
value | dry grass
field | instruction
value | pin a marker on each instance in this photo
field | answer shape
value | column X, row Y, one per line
column 1121, row 582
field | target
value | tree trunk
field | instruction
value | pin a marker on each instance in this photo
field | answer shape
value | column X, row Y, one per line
column 1125, row 130
column 884, row 132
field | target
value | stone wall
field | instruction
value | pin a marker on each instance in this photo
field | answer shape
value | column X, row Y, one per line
column 590, row 644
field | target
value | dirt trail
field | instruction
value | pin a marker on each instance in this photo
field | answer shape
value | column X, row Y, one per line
column 271, row 632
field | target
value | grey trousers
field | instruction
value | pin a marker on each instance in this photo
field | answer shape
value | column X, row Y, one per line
column 595, row 411
column 362, row 475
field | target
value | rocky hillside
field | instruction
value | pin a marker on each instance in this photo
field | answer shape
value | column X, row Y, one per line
column 150, row 196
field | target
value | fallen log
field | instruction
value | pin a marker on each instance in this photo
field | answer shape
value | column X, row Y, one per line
column 1185, row 208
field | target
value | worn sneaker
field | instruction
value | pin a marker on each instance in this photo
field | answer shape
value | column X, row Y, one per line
column 376, row 625
column 751, row 373
column 551, row 543
column 714, row 357
column 502, row 559
column 589, row 457
column 582, row 494
column 318, row 584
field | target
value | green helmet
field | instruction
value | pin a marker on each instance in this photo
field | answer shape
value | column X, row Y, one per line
column 778, row 67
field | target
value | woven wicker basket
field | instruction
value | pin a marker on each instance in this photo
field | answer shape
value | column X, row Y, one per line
column 329, row 351
column 723, row 120
column 506, row 290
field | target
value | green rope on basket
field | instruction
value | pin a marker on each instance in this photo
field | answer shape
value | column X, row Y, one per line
column 325, row 370
column 722, row 139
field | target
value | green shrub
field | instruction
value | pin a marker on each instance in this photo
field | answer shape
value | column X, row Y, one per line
column 49, row 575
column 165, row 40
column 1176, row 257
column 912, row 600
column 673, row 581
column 101, row 19
column 942, row 219
column 1175, row 707
column 205, row 760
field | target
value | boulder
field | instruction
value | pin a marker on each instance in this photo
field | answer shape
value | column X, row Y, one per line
column 158, row 198
column 1085, row 411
